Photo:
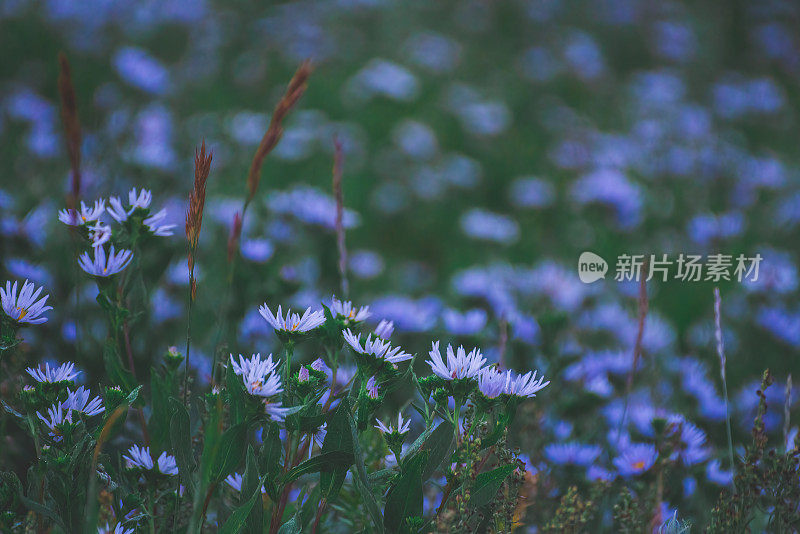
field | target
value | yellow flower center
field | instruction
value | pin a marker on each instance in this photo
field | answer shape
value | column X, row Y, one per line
column 22, row 313
column 639, row 464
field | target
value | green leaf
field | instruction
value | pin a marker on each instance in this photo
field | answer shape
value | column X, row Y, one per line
column 43, row 511
column 381, row 476
column 404, row 498
column 115, row 372
column 231, row 449
column 162, row 386
column 439, row 445
column 338, row 438
column 212, row 431
column 496, row 433
column 327, row 461
column 361, row 479
column 250, row 483
column 236, row 521
column 236, row 395
column 269, row 458
column 181, row 439
column 487, row 484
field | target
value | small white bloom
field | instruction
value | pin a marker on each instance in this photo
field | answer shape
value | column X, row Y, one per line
column 403, row 425
column 292, row 322
column 56, row 416
column 384, row 329
column 376, row 347
column 491, row 382
column 345, row 310
column 62, row 373
column 24, row 308
column 524, row 385
column 153, row 225
column 460, row 363
column 261, row 367
column 167, row 465
column 102, row 265
column 116, row 210
column 234, row 480
column 87, row 213
column 78, row 401
column 140, row 200
column 138, row 457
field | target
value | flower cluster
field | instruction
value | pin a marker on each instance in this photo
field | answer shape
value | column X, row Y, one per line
column 134, row 220
column 261, row 380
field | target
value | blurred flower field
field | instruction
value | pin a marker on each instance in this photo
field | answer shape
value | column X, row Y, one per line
column 481, row 148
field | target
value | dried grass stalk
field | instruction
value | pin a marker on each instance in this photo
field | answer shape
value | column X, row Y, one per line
column 236, row 233
column 338, row 162
column 197, row 200
column 72, row 126
column 295, row 89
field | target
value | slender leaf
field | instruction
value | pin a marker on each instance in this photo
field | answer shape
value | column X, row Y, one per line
column 181, row 439
column 250, row 480
column 338, row 438
column 487, row 484
column 439, row 445
column 231, row 449
column 327, row 461
column 236, row 521
column 361, row 479
column 404, row 498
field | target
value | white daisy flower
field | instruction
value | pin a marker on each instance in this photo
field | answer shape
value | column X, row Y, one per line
column 103, row 265
column 376, row 347
column 56, row 416
column 292, row 322
column 153, row 225
column 87, row 213
column 492, row 382
column 167, row 464
column 140, row 458
column 403, row 425
column 460, row 363
column 345, row 310
column 78, row 401
column 116, row 210
column 234, row 480
column 140, row 200
column 51, row 375
column 524, row 385
column 24, row 308
column 260, row 367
